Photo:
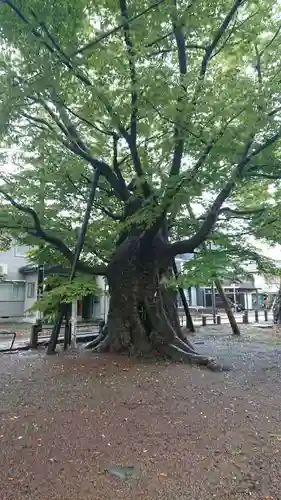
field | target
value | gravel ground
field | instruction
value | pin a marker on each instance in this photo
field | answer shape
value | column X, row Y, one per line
column 192, row 434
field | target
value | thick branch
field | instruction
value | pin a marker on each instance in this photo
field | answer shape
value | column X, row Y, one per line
column 115, row 164
column 53, row 240
column 131, row 137
column 218, row 35
column 178, row 135
column 132, row 68
column 188, row 246
column 82, row 235
column 149, row 234
column 209, row 52
column 75, row 144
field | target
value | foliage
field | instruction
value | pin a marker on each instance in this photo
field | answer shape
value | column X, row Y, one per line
column 209, row 265
column 60, row 290
column 180, row 97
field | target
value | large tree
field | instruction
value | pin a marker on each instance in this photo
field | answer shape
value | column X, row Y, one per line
column 172, row 102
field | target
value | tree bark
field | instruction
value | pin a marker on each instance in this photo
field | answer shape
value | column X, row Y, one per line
column 277, row 308
column 142, row 318
column 230, row 315
column 51, row 349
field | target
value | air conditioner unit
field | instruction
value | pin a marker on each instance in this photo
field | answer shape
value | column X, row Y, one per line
column 3, row 270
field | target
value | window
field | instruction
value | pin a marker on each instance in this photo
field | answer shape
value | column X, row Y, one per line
column 16, row 291
column 30, row 290
column 20, row 251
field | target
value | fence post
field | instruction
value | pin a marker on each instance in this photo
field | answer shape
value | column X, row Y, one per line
column 256, row 316
column 245, row 318
column 218, row 319
column 265, row 315
column 35, row 329
column 204, row 320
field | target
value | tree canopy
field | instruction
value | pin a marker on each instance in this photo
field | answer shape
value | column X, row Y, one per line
column 175, row 103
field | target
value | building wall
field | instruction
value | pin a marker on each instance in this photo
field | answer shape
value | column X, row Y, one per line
column 30, row 296
column 14, row 258
column 12, row 284
column 11, row 300
column 101, row 303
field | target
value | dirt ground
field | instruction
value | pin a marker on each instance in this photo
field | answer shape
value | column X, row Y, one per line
column 192, row 434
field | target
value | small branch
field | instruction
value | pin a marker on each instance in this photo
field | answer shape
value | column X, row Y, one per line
column 55, row 50
column 271, row 41
column 88, row 122
column 264, row 176
column 159, row 39
column 35, row 119
column 83, row 196
column 241, row 213
column 108, row 212
column 190, row 46
column 182, row 127
column 269, row 142
column 211, row 145
column 90, row 45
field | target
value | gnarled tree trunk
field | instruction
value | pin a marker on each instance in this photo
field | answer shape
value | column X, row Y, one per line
column 142, row 318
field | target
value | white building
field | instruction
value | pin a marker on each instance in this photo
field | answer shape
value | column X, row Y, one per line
column 19, row 288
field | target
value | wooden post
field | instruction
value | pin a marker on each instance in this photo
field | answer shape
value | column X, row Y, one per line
column 67, row 332
column 265, row 315
column 218, row 319
column 74, row 324
column 35, row 329
column 204, row 320
column 256, row 316
column 245, row 318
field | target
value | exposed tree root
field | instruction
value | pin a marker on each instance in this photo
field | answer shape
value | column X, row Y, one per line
column 177, row 354
column 185, row 345
column 178, row 351
column 95, row 342
column 103, row 346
